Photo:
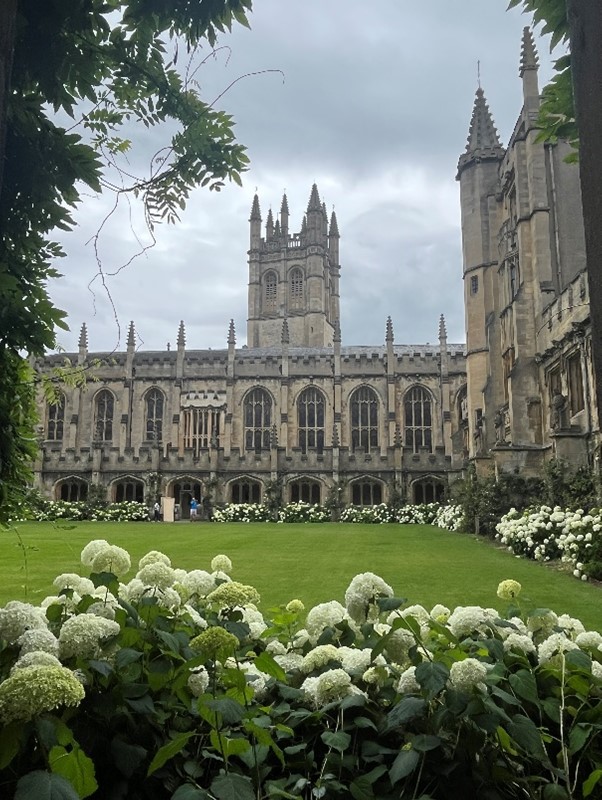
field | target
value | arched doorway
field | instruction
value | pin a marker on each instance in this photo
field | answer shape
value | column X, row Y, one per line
column 183, row 492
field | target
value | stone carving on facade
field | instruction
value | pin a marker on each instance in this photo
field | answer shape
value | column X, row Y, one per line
column 559, row 408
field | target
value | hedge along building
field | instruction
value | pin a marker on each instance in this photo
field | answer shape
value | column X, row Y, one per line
column 292, row 413
column 529, row 366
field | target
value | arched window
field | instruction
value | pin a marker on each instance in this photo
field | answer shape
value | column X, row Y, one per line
column 128, row 489
column 270, row 292
column 310, row 419
column 428, row 490
column 418, row 421
column 245, row 491
column 364, row 419
column 72, row 490
column 154, row 401
column 296, row 289
column 56, row 420
column 258, row 420
column 366, row 493
column 103, row 420
column 305, row 491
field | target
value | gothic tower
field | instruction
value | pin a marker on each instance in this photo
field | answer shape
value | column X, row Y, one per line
column 293, row 277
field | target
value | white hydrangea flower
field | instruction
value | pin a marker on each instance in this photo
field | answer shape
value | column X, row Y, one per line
column 82, row 636
column 17, row 617
column 440, row 613
column 101, row 609
column 154, row 557
column 38, row 639
column 508, row 589
column 254, row 619
column 354, row 659
column 35, row 658
column 467, row 674
column 194, row 615
column 465, row 620
column 542, row 625
column 398, row 645
column 134, row 591
column 157, row 574
column 572, row 627
column 597, row 670
column 362, row 594
column 256, row 679
column 300, row 639
column 319, row 657
column 329, row 687
column 112, row 559
column 70, row 580
column 33, row 690
column 553, row 646
column 290, row 662
column 198, row 681
column 324, row 615
column 91, row 550
column 589, row 640
column 407, row 683
column 168, row 598
column 221, row 563
column 220, row 577
column 198, row 583
column 520, row 642
column 275, row 647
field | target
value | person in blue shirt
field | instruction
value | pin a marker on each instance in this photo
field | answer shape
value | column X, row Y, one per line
column 194, row 509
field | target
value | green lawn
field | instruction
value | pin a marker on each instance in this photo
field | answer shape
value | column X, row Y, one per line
column 312, row 562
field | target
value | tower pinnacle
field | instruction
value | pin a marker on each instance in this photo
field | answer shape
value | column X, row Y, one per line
column 255, row 211
column 181, row 335
column 231, row 333
column 131, row 336
column 483, row 142
column 528, row 53
column 314, row 200
column 83, row 337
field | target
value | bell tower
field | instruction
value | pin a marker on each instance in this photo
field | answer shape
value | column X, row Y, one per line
column 293, row 277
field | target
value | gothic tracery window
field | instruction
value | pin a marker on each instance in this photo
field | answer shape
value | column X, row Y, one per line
column 310, row 419
column 418, row 419
column 128, row 489
column 364, row 419
column 305, row 491
column 154, row 402
column 296, row 289
column 258, row 420
column 202, row 428
column 366, row 493
column 245, row 491
column 72, row 490
column 270, row 291
column 56, row 420
column 103, row 417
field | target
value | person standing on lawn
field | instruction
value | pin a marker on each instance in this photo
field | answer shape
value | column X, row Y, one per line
column 194, row 509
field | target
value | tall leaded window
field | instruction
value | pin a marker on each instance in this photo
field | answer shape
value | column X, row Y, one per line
column 418, row 419
column 305, row 491
column 364, row 419
column 296, row 289
column 428, row 490
column 103, row 417
column 56, row 420
column 154, row 401
column 258, row 420
column 202, row 428
column 310, row 419
column 270, row 291
column 366, row 493
column 575, row 381
column 245, row 491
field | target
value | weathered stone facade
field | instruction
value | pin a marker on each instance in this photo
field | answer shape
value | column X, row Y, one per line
column 294, row 412
column 530, row 381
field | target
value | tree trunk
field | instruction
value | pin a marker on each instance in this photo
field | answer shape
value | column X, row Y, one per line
column 585, row 29
column 8, row 17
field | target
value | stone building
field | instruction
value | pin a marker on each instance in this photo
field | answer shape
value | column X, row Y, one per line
column 292, row 413
column 528, row 358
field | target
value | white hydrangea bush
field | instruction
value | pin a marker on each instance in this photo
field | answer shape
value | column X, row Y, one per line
column 160, row 680
column 550, row 534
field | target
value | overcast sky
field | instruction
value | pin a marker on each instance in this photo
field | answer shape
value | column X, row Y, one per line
column 374, row 106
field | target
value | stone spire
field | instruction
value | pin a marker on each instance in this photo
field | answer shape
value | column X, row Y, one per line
column 284, row 216
column 314, row 200
column 334, row 227
column 483, row 142
column 389, row 337
column 181, row 335
column 255, row 212
column 529, row 65
column 442, row 329
column 231, row 333
column 83, row 338
column 528, row 53
column 285, row 337
column 277, row 229
column 269, row 226
column 131, row 343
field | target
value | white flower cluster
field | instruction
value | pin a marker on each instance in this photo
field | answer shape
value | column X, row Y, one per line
column 548, row 534
column 362, row 595
column 128, row 511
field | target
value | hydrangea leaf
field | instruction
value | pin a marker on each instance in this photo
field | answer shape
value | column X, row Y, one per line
column 338, row 740
column 432, row 676
column 407, row 709
column 41, row 785
column 232, row 787
column 169, row 750
column 189, row 792
column 76, row 767
column 590, row 783
column 266, row 663
column 405, row 763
